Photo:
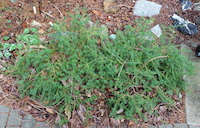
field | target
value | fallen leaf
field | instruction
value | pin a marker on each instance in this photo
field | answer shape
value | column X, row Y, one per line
column 50, row 110
column 40, row 119
column 81, row 112
column 35, row 24
column 64, row 82
column 97, row 13
column 131, row 123
column 102, row 111
column 110, row 6
column 41, row 31
column 120, row 111
column 115, row 121
column 68, row 111
column 35, row 46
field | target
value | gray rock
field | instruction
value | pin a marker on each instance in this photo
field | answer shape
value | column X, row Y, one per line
column 157, row 30
column 113, row 36
column 13, row 1
column 146, row 8
column 196, row 6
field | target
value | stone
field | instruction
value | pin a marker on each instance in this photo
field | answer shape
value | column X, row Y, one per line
column 192, row 99
column 180, row 125
column 13, row 1
column 193, row 126
column 3, row 109
column 113, row 36
column 146, row 8
column 196, row 6
column 29, row 122
column 3, row 119
column 165, row 126
column 156, row 30
column 14, row 118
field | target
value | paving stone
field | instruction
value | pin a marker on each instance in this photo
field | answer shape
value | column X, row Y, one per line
column 3, row 120
column 193, row 94
column 41, row 125
column 152, row 126
column 165, row 126
column 180, row 125
column 28, row 122
column 193, row 126
column 4, row 109
column 14, row 118
column 12, row 126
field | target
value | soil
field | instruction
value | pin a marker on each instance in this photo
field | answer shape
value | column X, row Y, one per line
column 15, row 17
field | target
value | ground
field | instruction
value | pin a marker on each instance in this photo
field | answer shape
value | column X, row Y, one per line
column 15, row 17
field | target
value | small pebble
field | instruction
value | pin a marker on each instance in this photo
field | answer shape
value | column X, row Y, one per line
column 113, row 36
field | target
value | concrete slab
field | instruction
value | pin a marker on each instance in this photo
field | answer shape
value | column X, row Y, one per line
column 14, row 118
column 4, row 109
column 165, row 126
column 28, row 122
column 3, row 120
column 193, row 93
column 193, row 126
column 180, row 125
column 13, row 127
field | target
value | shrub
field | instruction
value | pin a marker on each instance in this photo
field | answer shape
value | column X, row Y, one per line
column 139, row 72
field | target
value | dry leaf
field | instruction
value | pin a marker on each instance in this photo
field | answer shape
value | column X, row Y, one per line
column 97, row 13
column 110, row 6
column 102, row 111
column 120, row 111
column 40, row 119
column 115, row 121
column 50, row 110
column 81, row 112
column 68, row 111
column 35, row 46
column 131, row 123
column 41, row 31
column 64, row 82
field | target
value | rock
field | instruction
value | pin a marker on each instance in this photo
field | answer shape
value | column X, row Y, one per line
column 184, row 26
column 157, row 30
column 146, row 8
column 196, row 6
column 186, row 5
column 113, row 36
column 197, row 52
column 13, row 1
column 197, row 20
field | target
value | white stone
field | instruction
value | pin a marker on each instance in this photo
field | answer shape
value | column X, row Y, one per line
column 157, row 30
column 113, row 36
column 146, row 8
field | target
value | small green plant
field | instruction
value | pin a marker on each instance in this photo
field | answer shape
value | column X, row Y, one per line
column 6, row 38
column 6, row 49
column 134, row 72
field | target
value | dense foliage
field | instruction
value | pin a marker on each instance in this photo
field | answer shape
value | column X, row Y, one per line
column 139, row 70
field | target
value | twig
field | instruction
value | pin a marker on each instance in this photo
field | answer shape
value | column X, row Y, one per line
column 61, row 15
column 48, row 14
column 154, row 59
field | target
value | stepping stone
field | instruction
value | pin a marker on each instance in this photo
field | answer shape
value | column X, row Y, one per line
column 193, row 94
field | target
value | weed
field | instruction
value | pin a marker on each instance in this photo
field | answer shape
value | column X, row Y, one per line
column 136, row 73
column 6, row 49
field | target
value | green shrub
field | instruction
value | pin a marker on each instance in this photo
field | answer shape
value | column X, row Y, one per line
column 139, row 72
